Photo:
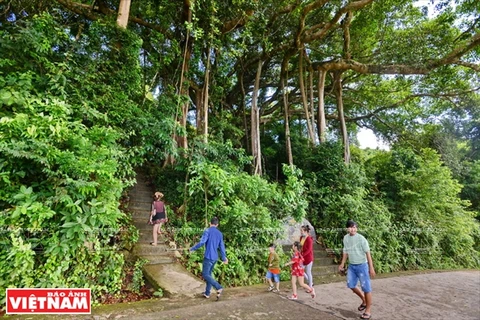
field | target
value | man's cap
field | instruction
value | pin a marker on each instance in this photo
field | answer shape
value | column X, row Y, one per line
column 351, row 223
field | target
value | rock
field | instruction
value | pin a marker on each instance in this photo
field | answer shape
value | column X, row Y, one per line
column 292, row 231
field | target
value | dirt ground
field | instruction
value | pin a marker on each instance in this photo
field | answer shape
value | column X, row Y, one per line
column 437, row 295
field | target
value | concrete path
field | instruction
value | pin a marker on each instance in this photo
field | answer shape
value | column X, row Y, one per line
column 441, row 295
column 449, row 295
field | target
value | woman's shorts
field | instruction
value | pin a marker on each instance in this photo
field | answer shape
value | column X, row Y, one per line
column 159, row 217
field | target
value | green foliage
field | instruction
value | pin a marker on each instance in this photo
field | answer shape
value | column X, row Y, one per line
column 138, row 280
column 471, row 188
column 250, row 209
column 62, row 170
column 158, row 293
column 429, row 220
column 83, row 102
column 407, row 206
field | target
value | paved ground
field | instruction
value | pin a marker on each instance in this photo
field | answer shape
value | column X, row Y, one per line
column 442, row 295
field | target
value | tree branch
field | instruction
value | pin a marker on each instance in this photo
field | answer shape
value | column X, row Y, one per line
column 457, row 53
column 236, row 23
column 86, row 11
column 451, row 58
column 446, row 96
column 353, row 6
column 473, row 66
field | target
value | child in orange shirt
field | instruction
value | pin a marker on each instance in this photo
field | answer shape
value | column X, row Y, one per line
column 273, row 270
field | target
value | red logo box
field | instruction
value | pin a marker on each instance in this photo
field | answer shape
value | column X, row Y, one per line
column 48, row 301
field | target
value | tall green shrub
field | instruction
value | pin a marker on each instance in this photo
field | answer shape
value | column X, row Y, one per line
column 429, row 219
column 62, row 169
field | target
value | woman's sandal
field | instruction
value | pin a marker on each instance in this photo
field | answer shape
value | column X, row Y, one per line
column 365, row 316
column 362, row 307
column 153, row 244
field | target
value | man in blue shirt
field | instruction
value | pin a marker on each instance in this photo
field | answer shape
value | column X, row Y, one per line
column 212, row 238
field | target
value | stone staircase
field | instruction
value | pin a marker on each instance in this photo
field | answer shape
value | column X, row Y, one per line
column 162, row 269
column 324, row 265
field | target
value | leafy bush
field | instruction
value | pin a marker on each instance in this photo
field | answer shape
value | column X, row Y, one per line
column 251, row 211
column 62, row 174
column 407, row 206
column 430, row 222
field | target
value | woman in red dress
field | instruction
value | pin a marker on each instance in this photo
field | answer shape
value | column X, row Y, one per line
column 297, row 271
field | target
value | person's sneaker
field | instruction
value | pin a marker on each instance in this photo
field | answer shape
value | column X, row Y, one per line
column 270, row 288
column 205, row 295
column 275, row 290
column 293, row 297
column 219, row 293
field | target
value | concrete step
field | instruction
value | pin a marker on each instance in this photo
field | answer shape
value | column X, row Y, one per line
column 140, row 213
column 323, row 261
column 141, row 196
column 140, row 202
column 174, row 279
column 143, row 184
column 146, row 236
column 144, row 208
column 322, row 253
column 145, row 249
column 142, row 190
column 142, row 225
column 324, row 270
column 160, row 259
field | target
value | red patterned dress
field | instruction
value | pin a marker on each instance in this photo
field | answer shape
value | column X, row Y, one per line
column 297, row 269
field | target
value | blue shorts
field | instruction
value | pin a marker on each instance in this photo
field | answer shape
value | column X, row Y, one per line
column 276, row 277
column 359, row 272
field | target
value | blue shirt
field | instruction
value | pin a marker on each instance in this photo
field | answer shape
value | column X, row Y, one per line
column 212, row 238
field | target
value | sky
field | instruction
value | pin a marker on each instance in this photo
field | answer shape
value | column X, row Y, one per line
column 367, row 139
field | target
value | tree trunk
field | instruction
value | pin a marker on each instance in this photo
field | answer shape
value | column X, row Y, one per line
column 255, row 125
column 202, row 108
column 181, row 116
column 341, row 116
column 288, row 143
column 245, row 120
column 199, row 100
column 321, row 121
column 123, row 13
column 312, row 103
column 304, row 98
